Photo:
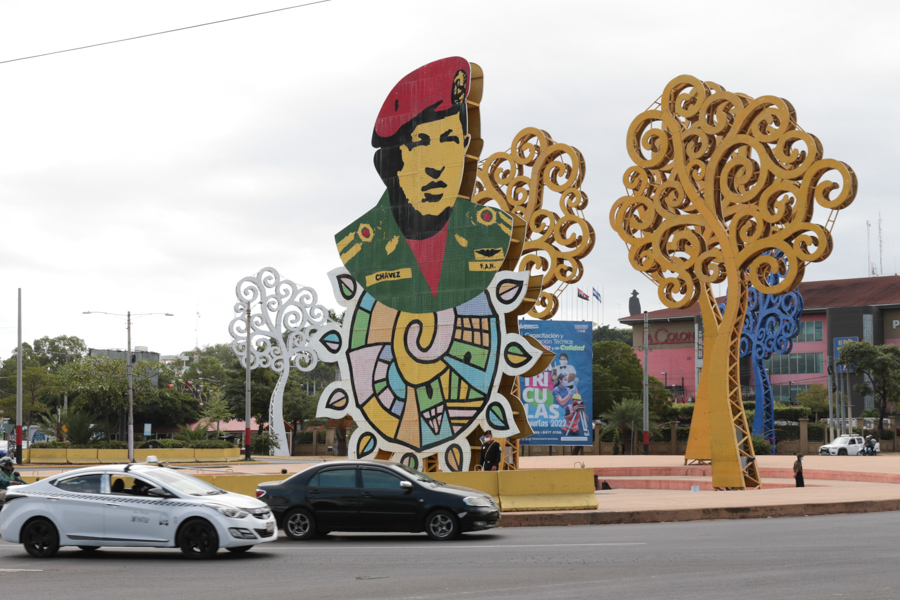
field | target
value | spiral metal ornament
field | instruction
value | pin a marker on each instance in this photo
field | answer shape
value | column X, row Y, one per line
column 285, row 316
column 772, row 321
column 518, row 182
column 719, row 180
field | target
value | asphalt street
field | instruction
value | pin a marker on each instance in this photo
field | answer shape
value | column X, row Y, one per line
column 850, row 556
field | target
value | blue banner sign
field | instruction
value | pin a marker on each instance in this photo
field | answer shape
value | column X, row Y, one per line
column 838, row 343
column 559, row 401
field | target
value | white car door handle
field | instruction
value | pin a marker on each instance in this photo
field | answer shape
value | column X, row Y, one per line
column 113, row 504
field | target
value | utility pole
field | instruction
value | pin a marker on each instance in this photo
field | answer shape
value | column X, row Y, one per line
column 646, row 383
column 129, row 371
column 849, row 402
column 128, row 360
column 19, row 388
column 830, row 400
column 842, row 398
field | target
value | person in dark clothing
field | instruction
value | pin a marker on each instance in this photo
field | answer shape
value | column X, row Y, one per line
column 798, row 470
column 490, row 453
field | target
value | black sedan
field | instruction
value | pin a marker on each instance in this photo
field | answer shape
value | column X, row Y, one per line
column 374, row 495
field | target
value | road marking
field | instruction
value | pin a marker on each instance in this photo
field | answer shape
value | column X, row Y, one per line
column 443, row 547
column 21, row 570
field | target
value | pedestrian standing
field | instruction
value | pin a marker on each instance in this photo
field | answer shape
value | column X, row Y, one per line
column 798, row 470
column 490, row 453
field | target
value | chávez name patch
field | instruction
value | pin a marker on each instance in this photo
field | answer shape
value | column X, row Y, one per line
column 388, row 276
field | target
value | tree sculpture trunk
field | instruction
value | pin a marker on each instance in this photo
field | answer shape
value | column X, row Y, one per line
column 719, row 419
column 276, row 415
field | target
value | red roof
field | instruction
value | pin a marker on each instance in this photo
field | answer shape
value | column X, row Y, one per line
column 817, row 296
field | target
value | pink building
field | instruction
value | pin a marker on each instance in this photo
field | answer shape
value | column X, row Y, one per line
column 865, row 309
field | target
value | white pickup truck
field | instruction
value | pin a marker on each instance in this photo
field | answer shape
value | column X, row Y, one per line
column 847, row 445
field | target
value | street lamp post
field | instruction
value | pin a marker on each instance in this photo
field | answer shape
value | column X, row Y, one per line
column 666, row 376
column 128, row 360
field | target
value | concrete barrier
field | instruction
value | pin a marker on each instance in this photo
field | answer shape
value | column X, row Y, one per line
column 217, row 454
column 545, row 489
column 110, row 457
column 550, row 489
column 48, row 456
column 91, row 456
column 81, row 456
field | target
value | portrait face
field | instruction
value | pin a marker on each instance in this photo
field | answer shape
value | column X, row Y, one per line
column 433, row 165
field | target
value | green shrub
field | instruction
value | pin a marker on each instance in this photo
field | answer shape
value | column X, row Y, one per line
column 210, row 444
column 95, row 445
column 784, row 412
column 761, row 446
column 816, row 432
column 677, row 412
column 787, row 433
column 42, row 445
column 262, row 444
column 172, row 444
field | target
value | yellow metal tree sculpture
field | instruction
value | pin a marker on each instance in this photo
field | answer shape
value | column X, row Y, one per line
column 523, row 181
column 719, row 179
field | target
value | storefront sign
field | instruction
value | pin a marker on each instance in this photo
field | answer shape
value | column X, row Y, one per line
column 664, row 336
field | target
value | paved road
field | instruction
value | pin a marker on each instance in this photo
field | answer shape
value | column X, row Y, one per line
column 796, row 558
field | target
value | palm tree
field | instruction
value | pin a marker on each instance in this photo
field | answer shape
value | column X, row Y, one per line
column 192, row 435
column 624, row 416
column 52, row 423
column 79, row 429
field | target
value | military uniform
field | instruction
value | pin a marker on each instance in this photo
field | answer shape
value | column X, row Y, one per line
column 378, row 256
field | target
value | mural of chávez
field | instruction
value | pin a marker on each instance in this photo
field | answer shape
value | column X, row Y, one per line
column 423, row 249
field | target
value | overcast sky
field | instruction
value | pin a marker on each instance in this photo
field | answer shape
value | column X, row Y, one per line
column 153, row 174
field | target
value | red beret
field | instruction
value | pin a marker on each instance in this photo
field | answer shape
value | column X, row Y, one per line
column 427, row 86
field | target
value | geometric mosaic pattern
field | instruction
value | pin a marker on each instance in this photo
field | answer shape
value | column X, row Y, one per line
column 418, row 384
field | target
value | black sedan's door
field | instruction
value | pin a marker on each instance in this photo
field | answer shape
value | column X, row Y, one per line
column 386, row 506
column 334, row 497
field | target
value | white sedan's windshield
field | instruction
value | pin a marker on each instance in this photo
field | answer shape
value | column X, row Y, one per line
column 185, row 484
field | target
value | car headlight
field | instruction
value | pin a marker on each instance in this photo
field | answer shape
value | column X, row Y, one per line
column 229, row 511
column 476, row 501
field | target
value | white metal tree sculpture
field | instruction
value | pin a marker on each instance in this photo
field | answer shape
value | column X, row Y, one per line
column 278, row 317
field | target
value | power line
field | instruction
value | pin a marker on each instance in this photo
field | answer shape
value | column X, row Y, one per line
column 146, row 35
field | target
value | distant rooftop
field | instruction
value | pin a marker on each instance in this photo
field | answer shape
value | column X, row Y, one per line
column 817, row 296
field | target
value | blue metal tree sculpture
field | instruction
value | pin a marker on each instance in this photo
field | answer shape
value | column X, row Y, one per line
column 771, row 323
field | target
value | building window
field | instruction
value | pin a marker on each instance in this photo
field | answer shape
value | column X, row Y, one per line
column 810, row 331
column 794, row 364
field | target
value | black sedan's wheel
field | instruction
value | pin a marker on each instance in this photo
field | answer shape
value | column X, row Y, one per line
column 40, row 538
column 442, row 525
column 299, row 524
column 89, row 548
column 239, row 549
column 198, row 539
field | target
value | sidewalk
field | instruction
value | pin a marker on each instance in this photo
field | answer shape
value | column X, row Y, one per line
column 835, row 484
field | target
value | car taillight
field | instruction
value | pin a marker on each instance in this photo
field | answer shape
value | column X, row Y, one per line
column 260, row 493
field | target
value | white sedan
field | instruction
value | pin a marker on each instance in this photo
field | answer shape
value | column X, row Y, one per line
column 137, row 505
